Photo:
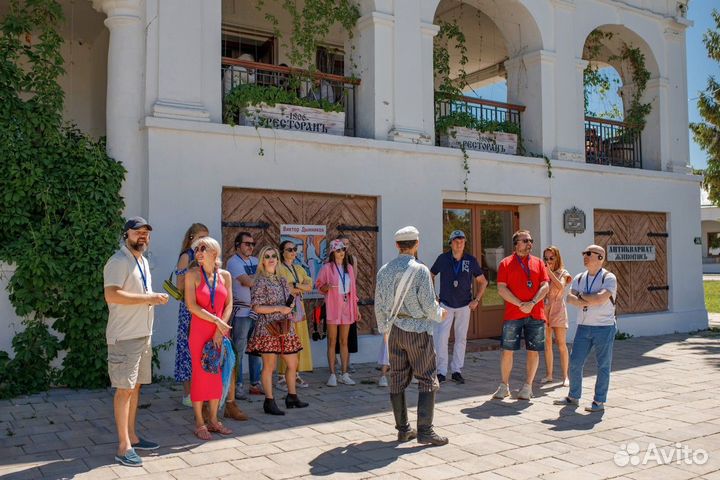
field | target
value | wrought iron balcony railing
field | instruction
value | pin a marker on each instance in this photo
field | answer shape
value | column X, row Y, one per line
column 609, row 142
column 505, row 116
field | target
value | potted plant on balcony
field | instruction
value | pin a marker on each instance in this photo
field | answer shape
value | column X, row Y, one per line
column 284, row 109
column 460, row 129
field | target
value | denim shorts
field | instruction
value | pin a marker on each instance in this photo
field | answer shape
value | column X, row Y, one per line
column 533, row 331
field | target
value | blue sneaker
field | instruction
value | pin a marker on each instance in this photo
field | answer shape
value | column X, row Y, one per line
column 130, row 459
column 145, row 445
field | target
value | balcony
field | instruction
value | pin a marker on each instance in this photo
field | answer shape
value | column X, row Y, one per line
column 329, row 89
column 483, row 114
column 609, row 142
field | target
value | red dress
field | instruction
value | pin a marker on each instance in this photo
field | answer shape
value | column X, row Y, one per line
column 203, row 385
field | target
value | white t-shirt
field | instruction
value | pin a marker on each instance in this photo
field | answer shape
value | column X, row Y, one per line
column 126, row 322
column 596, row 315
column 238, row 266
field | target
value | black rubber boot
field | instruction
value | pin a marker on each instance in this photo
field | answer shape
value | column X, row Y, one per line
column 425, row 413
column 271, row 408
column 405, row 432
column 292, row 401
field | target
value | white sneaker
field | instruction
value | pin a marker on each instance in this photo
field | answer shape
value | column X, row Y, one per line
column 383, row 381
column 300, row 383
column 566, row 382
column 345, row 378
column 281, row 383
column 332, row 381
column 240, row 392
column 502, row 391
column 525, row 392
column 186, row 401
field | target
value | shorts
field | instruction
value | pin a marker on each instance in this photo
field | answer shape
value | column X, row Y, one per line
column 130, row 363
column 533, row 331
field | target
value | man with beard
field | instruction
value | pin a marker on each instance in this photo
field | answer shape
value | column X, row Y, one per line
column 130, row 299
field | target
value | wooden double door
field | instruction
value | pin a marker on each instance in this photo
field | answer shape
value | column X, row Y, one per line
column 261, row 212
column 488, row 230
column 642, row 285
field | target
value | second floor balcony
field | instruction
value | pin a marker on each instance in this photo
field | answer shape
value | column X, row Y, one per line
column 610, row 142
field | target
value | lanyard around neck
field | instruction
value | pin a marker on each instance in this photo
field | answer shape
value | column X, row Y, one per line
column 291, row 268
column 142, row 274
column 341, row 275
column 456, row 265
column 526, row 268
column 589, row 289
column 213, row 288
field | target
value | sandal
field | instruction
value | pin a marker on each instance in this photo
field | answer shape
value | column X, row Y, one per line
column 203, row 433
column 219, row 428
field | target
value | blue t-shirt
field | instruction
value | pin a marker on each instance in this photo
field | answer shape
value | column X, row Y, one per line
column 464, row 271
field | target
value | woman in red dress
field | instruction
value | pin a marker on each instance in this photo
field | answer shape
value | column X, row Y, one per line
column 209, row 298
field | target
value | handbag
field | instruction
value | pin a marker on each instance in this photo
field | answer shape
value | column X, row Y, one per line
column 172, row 289
column 278, row 328
column 211, row 357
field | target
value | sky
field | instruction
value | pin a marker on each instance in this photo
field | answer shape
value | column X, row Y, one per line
column 699, row 67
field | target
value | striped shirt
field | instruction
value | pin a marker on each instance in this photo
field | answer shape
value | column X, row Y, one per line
column 419, row 308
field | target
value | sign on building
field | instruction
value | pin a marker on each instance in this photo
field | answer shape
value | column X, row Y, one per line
column 293, row 117
column 311, row 242
column 631, row 253
column 471, row 139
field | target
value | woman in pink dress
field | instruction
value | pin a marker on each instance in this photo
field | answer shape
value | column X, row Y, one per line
column 336, row 281
column 556, row 313
column 209, row 298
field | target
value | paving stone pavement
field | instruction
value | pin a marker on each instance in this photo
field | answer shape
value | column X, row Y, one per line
column 663, row 392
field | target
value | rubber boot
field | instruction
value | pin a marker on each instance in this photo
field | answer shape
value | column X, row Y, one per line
column 425, row 413
column 405, row 432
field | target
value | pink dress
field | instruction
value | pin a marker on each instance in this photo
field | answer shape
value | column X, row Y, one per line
column 203, row 385
column 341, row 309
column 555, row 307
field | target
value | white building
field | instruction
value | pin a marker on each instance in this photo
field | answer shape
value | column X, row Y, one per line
column 710, row 216
column 149, row 75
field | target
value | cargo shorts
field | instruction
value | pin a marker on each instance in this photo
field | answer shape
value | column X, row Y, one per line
column 130, row 362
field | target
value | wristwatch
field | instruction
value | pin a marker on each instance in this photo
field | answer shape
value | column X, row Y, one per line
column 295, row 285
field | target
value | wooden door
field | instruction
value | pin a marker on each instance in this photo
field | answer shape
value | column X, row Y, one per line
column 642, row 285
column 488, row 229
column 261, row 212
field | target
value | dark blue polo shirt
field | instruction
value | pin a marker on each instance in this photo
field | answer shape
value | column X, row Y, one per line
column 463, row 272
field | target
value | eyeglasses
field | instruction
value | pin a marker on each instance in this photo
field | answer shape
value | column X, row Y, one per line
column 526, row 240
column 268, row 256
column 201, row 249
column 589, row 253
column 252, row 244
column 289, row 250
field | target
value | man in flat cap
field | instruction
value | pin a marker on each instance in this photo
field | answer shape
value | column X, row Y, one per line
column 131, row 301
column 593, row 292
column 406, row 310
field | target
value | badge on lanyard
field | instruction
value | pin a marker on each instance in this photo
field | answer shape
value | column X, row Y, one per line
column 526, row 269
column 456, row 270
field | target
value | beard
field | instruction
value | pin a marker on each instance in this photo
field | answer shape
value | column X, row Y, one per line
column 139, row 246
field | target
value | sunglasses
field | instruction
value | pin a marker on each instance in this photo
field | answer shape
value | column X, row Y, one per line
column 252, row 244
column 526, row 240
column 201, row 249
column 589, row 253
column 269, row 256
column 341, row 249
column 289, row 250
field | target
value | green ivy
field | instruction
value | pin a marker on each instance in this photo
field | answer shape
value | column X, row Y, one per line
column 449, row 35
column 60, row 210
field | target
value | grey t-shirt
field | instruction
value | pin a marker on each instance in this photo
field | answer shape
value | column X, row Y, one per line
column 238, row 266
column 596, row 315
column 126, row 322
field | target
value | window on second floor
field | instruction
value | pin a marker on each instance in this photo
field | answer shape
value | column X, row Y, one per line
column 330, row 60
column 256, row 47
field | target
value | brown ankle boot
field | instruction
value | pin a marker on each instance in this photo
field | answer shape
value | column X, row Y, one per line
column 233, row 411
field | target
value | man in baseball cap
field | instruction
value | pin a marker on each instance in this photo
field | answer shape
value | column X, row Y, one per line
column 136, row 223
column 406, row 310
column 593, row 292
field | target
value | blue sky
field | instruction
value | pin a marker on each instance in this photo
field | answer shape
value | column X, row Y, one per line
column 699, row 68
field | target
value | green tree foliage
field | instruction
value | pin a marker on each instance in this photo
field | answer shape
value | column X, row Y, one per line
column 707, row 133
column 60, row 211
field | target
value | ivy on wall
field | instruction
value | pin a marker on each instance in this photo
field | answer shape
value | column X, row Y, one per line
column 60, row 211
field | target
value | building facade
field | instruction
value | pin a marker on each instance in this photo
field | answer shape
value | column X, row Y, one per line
column 152, row 75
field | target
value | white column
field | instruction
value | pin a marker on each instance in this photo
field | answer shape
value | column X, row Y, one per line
column 655, row 137
column 125, row 94
column 189, row 41
column 675, row 116
column 410, row 58
column 531, row 83
column 374, row 95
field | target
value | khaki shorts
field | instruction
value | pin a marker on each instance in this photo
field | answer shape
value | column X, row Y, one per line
column 129, row 363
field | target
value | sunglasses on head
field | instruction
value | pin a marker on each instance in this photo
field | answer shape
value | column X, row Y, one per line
column 291, row 249
column 268, row 256
column 201, row 248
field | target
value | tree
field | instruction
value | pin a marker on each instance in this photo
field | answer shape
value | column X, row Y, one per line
column 707, row 133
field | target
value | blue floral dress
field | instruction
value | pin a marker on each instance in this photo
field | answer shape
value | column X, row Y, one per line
column 183, row 367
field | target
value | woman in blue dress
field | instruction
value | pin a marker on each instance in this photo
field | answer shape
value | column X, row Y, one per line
column 182, row 351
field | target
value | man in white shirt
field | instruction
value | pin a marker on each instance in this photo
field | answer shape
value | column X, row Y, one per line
column 131, row 301
column 593, row 292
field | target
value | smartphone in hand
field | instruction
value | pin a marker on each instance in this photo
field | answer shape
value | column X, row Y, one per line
column 290, row 301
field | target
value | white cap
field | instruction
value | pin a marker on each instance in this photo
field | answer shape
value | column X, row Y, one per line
column 405, row 234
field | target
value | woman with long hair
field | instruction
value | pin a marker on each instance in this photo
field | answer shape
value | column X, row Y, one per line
column 336, row 281
column 208, row 294
column 274, row 333
column 556, row 313
column 299, row 282
column 186, row 260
